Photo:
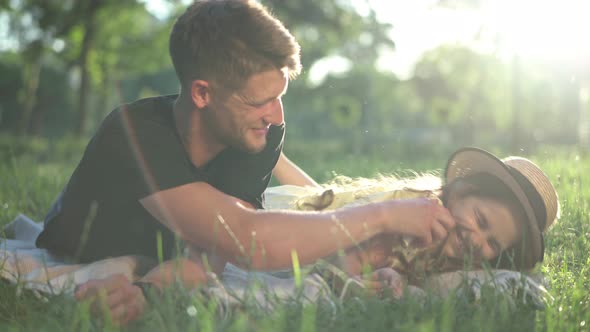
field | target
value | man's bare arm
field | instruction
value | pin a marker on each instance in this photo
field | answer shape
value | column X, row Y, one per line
column 288, row 172
column 263, row 240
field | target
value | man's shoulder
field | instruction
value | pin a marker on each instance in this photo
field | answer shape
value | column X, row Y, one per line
column 166, row 101
column 151, row 111
column 145, row 108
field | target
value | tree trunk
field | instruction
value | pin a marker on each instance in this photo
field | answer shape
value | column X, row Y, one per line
column 103, row 92
column 84, row 90
column 29, row 98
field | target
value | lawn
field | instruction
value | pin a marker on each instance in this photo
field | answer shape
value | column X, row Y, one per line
column 30, row 179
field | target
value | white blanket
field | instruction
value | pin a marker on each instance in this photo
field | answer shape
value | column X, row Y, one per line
column 36, row 269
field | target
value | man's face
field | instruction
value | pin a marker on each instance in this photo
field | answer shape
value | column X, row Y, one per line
column 243, row 119
column 485, row 226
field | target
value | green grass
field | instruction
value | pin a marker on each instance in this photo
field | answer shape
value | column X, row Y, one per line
column 30, row 180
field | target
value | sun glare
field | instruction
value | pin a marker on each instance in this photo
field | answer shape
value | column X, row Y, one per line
column 545, row 29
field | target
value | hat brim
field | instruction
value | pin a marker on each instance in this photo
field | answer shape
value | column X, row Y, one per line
column 468, row 161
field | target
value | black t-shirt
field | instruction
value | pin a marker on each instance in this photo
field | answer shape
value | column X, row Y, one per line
column 137, row 152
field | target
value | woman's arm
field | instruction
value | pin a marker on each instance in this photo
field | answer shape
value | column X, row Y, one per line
column 287, row 172
column 369, row 264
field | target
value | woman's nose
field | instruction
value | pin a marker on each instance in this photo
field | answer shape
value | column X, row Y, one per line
column 476, row 239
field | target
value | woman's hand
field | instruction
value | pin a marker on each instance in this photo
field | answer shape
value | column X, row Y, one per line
column 114, row 296
column 385, row 281
column 423, row 218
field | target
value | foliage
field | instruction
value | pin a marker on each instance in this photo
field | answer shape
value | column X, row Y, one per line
column 109, row 46
column 94, row 43
column 456, row 96
column 462, row 90
column 326, row 27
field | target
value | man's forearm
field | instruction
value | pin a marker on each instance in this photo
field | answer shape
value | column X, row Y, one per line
column 263, row 240
column 272, row 237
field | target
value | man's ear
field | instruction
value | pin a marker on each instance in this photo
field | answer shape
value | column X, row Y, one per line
column 200, row 93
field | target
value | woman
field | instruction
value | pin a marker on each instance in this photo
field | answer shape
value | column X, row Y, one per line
column 502, row 209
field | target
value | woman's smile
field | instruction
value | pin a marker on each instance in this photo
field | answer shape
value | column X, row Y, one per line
column 485, row 226
column 461, row 241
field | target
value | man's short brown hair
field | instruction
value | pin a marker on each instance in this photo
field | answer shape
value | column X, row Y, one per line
column 227, row 41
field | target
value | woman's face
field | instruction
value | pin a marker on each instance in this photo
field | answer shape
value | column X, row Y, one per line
column 485, row 226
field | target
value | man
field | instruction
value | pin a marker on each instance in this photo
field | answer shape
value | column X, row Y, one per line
column 189, row 171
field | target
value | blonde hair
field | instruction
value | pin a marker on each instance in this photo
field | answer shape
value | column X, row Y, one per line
column 414, row 263
column 345, row 191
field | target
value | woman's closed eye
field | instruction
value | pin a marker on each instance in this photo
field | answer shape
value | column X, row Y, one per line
column 494, row 245
column 481, row 220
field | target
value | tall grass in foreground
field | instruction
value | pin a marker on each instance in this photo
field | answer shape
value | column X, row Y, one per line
column 29, row 186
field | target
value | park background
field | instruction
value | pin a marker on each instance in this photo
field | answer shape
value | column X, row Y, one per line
column 387, row 86
column 398, row 80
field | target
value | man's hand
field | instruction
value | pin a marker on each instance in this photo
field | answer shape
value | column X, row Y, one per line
column 423, row 218
column 115, row 296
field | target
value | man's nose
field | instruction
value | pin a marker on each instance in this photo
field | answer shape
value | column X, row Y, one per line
column 274, row 114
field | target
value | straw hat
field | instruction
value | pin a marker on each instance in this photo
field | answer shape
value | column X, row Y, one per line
column 529, row 184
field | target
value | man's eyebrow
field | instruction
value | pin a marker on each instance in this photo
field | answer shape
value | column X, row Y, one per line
column 254, row 102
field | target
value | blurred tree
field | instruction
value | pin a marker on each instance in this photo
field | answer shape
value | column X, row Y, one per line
column 327, row 27
column 339, row 103
column 360, row 111
column 113, row 39
column 73, row 31
column 36, row 25
column 85, row 14
column 129, row 43
column 105, row 43
column 463, row 90
column 10, row 85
